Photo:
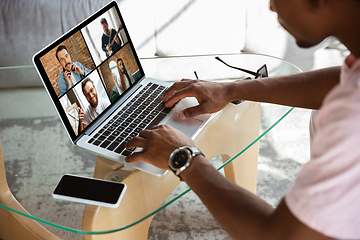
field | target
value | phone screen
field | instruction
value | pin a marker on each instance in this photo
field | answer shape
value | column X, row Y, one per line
column 89, row 189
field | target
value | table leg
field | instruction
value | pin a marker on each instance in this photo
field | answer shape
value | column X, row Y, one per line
column 234, row 129
column 144, row 194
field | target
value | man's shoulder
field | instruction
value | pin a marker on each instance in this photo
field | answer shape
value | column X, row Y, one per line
column 61, row 75
column 81, row 67
column 87, row 109
column 87, row 112
column 78, row 63
column 104, row 38
column 104, row 102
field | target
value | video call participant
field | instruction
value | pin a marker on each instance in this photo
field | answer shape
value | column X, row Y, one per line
column 72, row 72
column 110, row 42
column 125, row 77
column 96, row 105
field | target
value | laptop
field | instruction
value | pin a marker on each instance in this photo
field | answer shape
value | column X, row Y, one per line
column 100, row 92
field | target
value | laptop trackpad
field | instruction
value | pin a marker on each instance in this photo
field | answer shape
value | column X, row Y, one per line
column 187, row 126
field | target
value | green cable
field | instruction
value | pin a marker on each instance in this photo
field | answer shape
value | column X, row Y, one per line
column 257, row 139
column 152, row 213
column 16, row 67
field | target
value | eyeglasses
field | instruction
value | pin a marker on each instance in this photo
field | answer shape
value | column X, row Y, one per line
column 260, row 73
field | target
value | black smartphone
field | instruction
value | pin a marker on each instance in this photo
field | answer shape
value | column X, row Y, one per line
column 73, row 68
column 89, row 191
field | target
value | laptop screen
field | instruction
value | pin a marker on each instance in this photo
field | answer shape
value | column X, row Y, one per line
column 87, row 69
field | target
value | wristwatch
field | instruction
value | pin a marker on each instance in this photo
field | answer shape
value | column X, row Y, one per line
column 181, row 158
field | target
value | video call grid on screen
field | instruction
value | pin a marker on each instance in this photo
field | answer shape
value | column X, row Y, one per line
column 83, row 55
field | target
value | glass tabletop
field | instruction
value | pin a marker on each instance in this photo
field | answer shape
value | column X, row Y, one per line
column 171, row 69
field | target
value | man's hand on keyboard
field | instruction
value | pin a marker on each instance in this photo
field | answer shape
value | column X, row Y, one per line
column 211, row 96
column 157, row 144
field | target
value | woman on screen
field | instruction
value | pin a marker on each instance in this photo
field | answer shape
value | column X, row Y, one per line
column 126, row 78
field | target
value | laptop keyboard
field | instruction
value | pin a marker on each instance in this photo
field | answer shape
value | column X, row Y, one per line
column 143, row 112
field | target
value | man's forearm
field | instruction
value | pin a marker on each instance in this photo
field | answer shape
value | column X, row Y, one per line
column 306, row 90
column 238, row 211
column 241, row 213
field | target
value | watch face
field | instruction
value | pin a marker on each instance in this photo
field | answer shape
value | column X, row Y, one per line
column 179, row 159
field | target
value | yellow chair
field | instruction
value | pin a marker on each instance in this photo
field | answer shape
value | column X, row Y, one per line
column 12, row 225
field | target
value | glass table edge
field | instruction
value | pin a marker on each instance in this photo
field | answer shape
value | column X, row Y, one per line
column 180, row 56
